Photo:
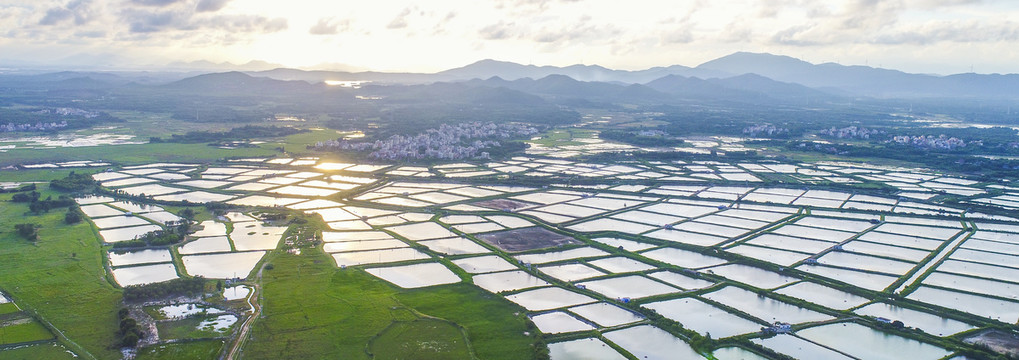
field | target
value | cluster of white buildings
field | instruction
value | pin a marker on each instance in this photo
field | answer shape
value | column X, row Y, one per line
column 69, row 112
column 452, row 142
column 851, row 132
column 931, row 142
column 766, row 129
column 39, row 126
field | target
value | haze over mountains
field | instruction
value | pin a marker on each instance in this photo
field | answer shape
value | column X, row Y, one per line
column 744, row 77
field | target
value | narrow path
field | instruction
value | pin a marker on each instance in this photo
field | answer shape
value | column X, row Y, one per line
column 959, row 238
column 256, row 311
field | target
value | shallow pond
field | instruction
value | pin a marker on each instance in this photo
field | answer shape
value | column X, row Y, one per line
column 583, row 349
column 866, row 343
column 483, row 264
column 541, row 258
column 865, row 262
column 757, row 277
column 867, row 281
column 549, row 298
column 823, row 295
column 118, row 258
column 929, row 323
column 507, row 281
column 145, row 274
column 682, row 258
column 609, row 224
column 416, row 275
column 363, row 245
column 605, row 314
column 455, row 246
column 649, row 342
column 422, row 231
column 764, row 308
column 799, row 349
column 686, row 237
column 128, row 233
column 222, row 266
column 619, row 264
column 775, row 256
column 205, row 245
column 571, row 272
column 1001, row 310
column 239, row 292
column 378, row 256
column 704, row 318
column 558, row 322
column 633, row 286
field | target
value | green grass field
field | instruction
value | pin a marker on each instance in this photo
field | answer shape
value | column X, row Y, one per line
column 23, row 332
column 204, row 349
column 48, row 351
column 564, row 137
column 495, row 326
column 8, row 308
column 188, row 329
column 312, row 310
column 421, row 339
column 61, row 276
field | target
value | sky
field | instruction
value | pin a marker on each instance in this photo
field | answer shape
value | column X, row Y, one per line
column 920, row 36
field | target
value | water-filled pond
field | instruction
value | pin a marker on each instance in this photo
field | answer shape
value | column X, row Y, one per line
column 704, row 318
column 416, row 275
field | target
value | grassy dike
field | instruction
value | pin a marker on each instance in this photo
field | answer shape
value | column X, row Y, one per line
column 313, row 310
column 60, row 278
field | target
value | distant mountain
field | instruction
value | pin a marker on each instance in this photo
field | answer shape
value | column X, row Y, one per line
column 235, row 83
column 511, row 71
column 865, row 80
column 204, row 65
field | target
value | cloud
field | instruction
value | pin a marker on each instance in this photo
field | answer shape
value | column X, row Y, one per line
column 498, row 31
column 146, row 21
column 79, row 10
column 329, row 26
column 210, row 5
column 157, row 3
column 400, row 21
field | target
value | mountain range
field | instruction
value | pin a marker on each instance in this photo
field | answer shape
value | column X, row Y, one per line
column 743, row 77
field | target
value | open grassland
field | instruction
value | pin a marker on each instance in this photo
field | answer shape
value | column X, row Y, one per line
column 23, row 332
column 494, row 327
column 188, row 329
column 204, row 349
column 312, row 310
column 564, row 137
column 60, row 277
column 48, row 351
column 421, row 339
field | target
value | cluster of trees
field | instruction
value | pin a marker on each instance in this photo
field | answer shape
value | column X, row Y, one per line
column 12, row 118
column 174, row 234
column 238, row 133
column 28, row 231
column 75, row 183
column 39, row 206
column 22, row 188
column 129, row 331
column 73, row 215
column 176, row 287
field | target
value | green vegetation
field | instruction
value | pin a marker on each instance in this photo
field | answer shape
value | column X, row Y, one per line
column 26, row 331
column 203, row 349
column 564, row 137
column 75, row 183
column 312, row 309
column 494, row 328
column 190, row 328
column 175, row 287
column 48, row 351
column 61, row 278
column 421, row 339
column 238, row 133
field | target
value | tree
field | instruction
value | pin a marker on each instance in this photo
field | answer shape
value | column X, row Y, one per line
column 73, row 216
column 28, row 231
